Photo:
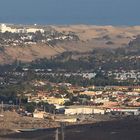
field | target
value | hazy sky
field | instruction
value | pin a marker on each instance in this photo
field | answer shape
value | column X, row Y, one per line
column 70, row 11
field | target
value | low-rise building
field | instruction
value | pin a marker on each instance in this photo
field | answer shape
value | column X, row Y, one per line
column 59, row 101
column 39, row 114
column 4, row 28
column 134, row 111
column 75, row 110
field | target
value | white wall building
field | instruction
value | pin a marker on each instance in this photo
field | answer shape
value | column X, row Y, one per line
column 83, row 110
column 135, row 111
column 39, row 115
column 4, row 28
column 33, row 30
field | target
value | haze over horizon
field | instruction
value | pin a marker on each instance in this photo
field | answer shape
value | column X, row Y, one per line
column 99, row 12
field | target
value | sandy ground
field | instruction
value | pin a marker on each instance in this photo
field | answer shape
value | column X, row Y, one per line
column 116, row 130
column 13, row 121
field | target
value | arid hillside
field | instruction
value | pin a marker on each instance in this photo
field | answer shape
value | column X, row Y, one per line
column 89, row 37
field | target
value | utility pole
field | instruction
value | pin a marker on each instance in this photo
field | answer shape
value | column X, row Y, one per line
column 56, row 134
column 2, row 107
column 44, row 108
column 62, row 131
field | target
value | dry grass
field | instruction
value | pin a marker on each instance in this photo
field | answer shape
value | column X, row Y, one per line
column 91, row 36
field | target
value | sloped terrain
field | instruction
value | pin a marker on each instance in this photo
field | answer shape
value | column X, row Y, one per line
column 90, row 37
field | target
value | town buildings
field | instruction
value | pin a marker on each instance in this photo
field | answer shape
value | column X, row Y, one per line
column 10, row 28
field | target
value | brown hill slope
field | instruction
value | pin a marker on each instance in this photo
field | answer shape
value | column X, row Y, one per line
column 90, row 37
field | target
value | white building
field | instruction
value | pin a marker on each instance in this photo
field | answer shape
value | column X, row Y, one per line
column 99, row 111
column 34, row 30
column 39, row 115
column 4, row 28
column 135, row 111
column 75, row 110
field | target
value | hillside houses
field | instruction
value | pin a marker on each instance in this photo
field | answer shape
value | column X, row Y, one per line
column 44, row 97
column 123, row 75
column 4, row 28
column 12, row 35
